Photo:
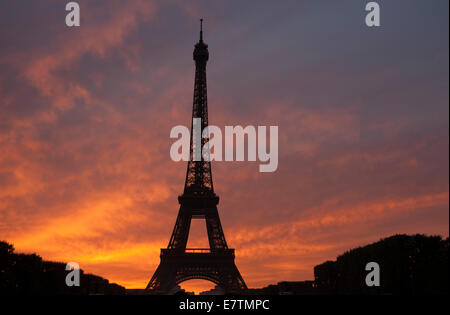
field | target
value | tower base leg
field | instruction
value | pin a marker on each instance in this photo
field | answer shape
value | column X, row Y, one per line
column 218, row 268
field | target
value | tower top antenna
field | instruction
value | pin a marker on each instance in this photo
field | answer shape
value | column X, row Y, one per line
column 201, row 30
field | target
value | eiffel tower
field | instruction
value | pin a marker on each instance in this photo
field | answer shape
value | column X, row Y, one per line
column 198, row 201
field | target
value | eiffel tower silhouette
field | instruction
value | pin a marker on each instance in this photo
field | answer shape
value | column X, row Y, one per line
column 198, row 201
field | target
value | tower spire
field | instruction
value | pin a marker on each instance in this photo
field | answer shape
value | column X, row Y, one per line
column 201, row 30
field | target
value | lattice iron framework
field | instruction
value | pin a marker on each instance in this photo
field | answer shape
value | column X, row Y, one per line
column 198, row 201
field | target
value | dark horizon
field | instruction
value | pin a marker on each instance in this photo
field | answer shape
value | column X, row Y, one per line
column 422, row 260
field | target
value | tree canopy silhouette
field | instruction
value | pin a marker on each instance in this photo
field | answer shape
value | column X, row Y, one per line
column 28, row 274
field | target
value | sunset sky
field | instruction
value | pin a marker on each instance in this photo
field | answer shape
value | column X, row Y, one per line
column 86, row 113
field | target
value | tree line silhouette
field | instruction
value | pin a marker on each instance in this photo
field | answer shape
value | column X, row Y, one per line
column 415, row 264
column 28, row 274
column 409, row 264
